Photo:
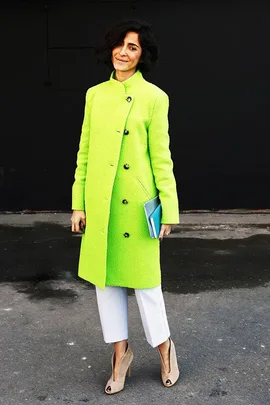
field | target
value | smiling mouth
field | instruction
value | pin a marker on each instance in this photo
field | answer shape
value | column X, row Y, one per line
column 120, row 60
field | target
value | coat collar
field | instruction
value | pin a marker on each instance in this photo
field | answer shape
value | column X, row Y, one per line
column 128, row 84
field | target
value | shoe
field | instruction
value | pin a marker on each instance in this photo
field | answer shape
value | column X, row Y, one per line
column 114, row 386
column 170, row 378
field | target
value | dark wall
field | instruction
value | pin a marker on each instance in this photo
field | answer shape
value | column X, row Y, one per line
column 214, row 65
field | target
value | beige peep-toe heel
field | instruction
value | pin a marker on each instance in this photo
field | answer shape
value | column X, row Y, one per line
column 170, row 378
column 114, row 386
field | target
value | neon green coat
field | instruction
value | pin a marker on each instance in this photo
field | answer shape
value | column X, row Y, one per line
column 123, row 161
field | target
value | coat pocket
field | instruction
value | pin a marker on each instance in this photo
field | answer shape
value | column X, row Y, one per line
column 143, row 188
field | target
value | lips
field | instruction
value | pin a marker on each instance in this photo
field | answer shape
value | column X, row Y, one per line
column 120, row 60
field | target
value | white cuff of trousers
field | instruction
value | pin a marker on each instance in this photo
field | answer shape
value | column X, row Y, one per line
column 113, row 312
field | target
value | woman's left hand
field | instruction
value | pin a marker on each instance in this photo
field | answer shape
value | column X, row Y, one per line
column 165, row 230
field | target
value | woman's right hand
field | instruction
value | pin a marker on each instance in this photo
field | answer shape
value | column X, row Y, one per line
column 78, row 220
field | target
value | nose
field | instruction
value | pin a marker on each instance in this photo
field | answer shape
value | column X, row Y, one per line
column 122, row 51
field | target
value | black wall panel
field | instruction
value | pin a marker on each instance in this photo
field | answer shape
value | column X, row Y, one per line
column 214, row 65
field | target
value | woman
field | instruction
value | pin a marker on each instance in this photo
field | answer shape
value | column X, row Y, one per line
column 123, row 161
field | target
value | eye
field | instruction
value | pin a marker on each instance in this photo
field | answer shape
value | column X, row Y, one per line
column 132, row 48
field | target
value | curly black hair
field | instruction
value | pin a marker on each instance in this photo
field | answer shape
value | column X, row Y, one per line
column 115, row 36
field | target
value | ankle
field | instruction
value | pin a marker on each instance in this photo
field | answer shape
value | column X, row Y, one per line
column 164, row 347
column 120, row 349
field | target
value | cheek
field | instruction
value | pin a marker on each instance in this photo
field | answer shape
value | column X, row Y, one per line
column 115, row 51
column 135, row 58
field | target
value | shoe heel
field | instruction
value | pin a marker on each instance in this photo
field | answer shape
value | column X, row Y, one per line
column 129, row 372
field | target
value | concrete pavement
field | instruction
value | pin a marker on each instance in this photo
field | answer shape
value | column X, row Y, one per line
column 216, row 282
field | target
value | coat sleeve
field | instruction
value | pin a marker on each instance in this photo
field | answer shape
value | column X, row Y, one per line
column 161, row 161
column 82, row 158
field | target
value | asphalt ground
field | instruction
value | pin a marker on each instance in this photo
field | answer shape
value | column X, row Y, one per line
column 216, row 283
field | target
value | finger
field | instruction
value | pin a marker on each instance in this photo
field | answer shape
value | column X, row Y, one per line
column 167, row 231
column 161, row 234
column 74, row 227
column 78, row 228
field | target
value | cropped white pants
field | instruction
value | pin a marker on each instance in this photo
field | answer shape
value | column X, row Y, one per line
column 113, row 312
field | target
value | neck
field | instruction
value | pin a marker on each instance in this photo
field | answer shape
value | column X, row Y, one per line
column 122, row 76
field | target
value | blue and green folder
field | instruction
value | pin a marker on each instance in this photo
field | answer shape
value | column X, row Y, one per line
column 152, row 209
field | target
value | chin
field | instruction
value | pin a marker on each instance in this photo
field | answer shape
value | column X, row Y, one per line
column 119, row 65
column 121, row 68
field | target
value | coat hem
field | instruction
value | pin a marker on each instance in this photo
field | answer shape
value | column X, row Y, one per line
column 134, row 286
column 130, row 285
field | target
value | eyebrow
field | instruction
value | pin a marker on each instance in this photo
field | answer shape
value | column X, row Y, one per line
column 131, row 43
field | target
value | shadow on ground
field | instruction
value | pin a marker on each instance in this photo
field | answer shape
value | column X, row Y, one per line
column 47, row 252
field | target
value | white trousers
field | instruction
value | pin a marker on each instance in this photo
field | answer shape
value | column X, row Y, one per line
column 113, row 312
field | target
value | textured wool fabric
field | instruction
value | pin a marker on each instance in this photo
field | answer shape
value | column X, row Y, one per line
column 123, row 161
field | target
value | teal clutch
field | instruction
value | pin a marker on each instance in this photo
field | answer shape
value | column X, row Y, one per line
column 152, row 209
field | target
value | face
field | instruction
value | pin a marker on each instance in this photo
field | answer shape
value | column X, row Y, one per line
column 126, row 56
